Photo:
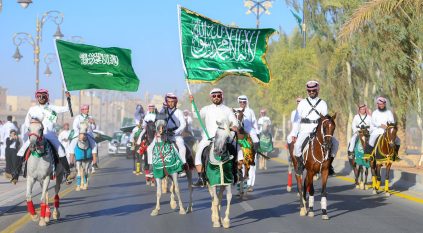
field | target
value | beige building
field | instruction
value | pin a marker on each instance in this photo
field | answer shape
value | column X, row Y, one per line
column 109, row 108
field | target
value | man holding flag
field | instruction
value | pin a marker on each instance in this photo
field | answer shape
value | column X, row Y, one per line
column 47, row 114
column 211, row 51
column 211, row 114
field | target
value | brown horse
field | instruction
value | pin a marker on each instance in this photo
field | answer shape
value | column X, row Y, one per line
column 318, row 160
column 384, row 153
column 247, row 147
column 357, row 162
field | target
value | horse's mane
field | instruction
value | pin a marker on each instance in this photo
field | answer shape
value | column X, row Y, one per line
column 222, row 133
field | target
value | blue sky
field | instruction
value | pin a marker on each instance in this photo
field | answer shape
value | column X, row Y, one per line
column 148, row 28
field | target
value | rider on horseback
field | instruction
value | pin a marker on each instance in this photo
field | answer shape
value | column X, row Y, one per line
column 380, row 117
column 47, row 114
column 85, row 118
column 262, row 119
column 310, row 109
column 211, row 114
column 361, row 120
column 250, row 126
column 150, row 116
column 295, row 119
column 175, row 123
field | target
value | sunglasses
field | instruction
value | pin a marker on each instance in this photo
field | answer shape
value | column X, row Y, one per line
column 311, row 91
column 216, row 96
column 41, row 96
column 242, row 102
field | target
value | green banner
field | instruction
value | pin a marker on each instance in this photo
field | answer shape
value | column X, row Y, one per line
column 211, row 51
column 91, row 67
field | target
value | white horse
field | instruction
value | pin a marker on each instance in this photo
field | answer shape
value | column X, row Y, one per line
column 165, row 160
column 83, row 155
column 219, row 171
column 40, row 163
column 266, row 144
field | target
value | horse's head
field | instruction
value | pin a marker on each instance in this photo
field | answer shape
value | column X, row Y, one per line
column 239, row 114
column 150, row 131
column 326, row 127
column 363, row 134
column 35, row 133
column 266, row 126
column 161, row 127
column 391, row 133
column 221, row 136
column 83, row 130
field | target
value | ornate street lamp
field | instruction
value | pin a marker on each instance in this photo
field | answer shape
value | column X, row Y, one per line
column 22, row 37
column 258, row 7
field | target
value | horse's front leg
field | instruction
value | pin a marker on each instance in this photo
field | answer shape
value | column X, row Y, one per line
column 226, row 221
column 56, row 212
column 310, row 189
column 323, row 200
column 378, row 179
column 44, row 202
column 156, row 210
column 79, row 173
column 366, row 174
column 388, row 169
column 214, row 208
column 30, row 181
column 190, row 189
column 173, row 204
column 178, row 193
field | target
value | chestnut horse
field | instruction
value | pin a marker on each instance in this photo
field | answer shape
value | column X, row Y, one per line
column 384, row 153
column 316, row 160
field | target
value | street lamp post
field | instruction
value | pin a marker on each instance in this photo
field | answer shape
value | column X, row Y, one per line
column 258, row 7
column 22, row 37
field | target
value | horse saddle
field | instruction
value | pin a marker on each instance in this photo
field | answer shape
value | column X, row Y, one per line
column 53, row 150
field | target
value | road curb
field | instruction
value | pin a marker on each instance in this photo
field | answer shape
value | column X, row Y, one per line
column 399, row 180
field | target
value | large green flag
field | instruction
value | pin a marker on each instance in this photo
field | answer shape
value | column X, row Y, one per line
column 211, row 50
column 91, row 67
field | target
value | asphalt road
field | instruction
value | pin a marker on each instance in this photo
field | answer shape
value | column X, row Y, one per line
column 119, row 201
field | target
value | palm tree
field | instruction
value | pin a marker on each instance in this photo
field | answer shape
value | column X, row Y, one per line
column 377, row 8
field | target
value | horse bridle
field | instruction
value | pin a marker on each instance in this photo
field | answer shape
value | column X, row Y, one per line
column 38, row 136
column 327, row 144
column 390, row 141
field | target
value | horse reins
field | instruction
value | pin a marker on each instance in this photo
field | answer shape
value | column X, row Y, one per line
column 322, row 146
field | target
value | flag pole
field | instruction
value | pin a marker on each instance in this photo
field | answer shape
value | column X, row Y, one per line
column 194, row 106
column 63, row 79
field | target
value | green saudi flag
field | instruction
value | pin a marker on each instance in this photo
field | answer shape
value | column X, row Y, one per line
column 90, row 67
column 211, row 51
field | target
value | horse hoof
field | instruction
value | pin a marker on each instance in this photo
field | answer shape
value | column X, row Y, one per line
column 42, row 222
column 216, row 224
column 56, row 214
column 153, row 184
column 35, row 218
column 362, row 186
column 357, row 186
column 374, row 191
column 173, row 205
column 182, row 212
column 298, row 195
column 226, row 223
column 189, row 210
column 303, row 211
column 134, row 172
column 288, row 188
column 310, row 214
column 77, row 189
column 154, row 212
column 387, row 194
column 325, row 217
